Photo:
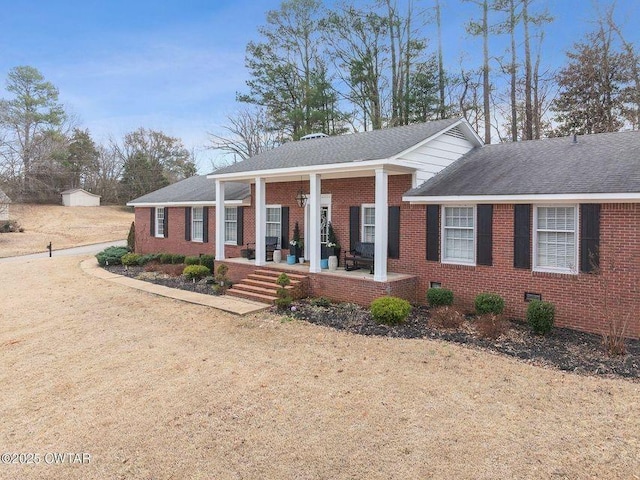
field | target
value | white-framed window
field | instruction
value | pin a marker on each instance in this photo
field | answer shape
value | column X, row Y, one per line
column 160, row 222
column 197, row 224
column 368, row 223
column 231, row 225
column 458, row 234
column 555, row 240
column 274, row 222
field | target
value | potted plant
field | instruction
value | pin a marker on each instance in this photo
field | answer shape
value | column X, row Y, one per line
column 332, row 247
column 295, row 245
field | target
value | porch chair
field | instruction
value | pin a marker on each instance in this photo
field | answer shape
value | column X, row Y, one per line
column 361, row 256
column 271, row 244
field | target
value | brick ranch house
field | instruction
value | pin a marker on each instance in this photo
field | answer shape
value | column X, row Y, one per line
column 557, row 219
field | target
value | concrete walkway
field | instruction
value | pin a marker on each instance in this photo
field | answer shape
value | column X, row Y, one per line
column 225, row 303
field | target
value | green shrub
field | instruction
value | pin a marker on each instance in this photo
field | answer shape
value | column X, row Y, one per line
column 439, row 297
column 131, row 259
column 193, row 260
column 283, row 302
column 207, row 261
column 195, row 272
column 111, row 256
column 149, row 257
column 166, row 258
column 489, row 303
column 283, row 280
column 321, row 302
column 177, row 259
column 220, row 280
column 131, row 238
column 540, row 316
column 390, row 310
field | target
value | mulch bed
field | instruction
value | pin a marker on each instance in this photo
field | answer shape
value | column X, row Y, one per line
column 563, row 349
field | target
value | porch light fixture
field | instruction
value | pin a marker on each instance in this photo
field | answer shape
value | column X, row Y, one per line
column 301, row 197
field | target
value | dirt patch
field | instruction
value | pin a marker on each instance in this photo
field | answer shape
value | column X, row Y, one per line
column 156, row 388
column 64, row 227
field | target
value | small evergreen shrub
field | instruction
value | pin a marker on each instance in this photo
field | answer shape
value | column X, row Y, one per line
column 284, row 300
column 220, row 281
column 446, row 317
column 10, row 226
column 131, row 238
column 207, row 261
column 177, row 259
column 540, row 316
column 111, row 256
column 491, row 325
column 438, row 297
column 321, row 302
column 390, row 310
column 193, row 260
column 283, row 280
column 489, row 303
column 166, row 258
column 149, row 257
column 195, row 272
column 131, row 259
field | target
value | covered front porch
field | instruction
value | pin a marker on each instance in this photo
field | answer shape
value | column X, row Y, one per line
column 356, row 286
column 361, row 192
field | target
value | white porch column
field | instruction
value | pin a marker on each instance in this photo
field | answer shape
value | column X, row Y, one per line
column 219, row 236
column 315, row 195
column 382, row 225
column 261, row 221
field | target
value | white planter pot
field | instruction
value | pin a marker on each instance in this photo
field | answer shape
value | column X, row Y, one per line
column 333, row 262
column 301, row 259
column 277, row 256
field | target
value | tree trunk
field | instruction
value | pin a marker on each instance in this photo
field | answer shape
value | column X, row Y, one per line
column 485, row 70
column 528, row 108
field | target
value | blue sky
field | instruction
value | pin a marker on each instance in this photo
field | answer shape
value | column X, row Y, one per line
column 176, row 66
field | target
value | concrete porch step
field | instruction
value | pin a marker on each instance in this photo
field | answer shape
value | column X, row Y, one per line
column 256, row 297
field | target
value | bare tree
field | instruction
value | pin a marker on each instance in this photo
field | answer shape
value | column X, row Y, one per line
column 249, row 133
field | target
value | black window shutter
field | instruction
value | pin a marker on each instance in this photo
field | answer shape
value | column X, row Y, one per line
column 240, row 225
column 205, row 224
column 187, row 224
column 284, row 227
column 522, row 236
column 589, row 237
column 485, row 235
column 433, row 232
column 152, row 222
column 394, row 232
column 354, row 226
column 166, row 222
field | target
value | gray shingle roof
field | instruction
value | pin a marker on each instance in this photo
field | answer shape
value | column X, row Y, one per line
column 602, row 163
column 4, row 198
column 373, row 145
column 194, row 189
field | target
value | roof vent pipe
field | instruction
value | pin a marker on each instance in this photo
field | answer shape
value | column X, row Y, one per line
column 575, row 138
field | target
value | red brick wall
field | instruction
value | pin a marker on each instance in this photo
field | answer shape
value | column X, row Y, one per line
column 579, row 299
column 175, row 241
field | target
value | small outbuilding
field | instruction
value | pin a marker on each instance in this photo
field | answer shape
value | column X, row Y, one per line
column 77, row 197
column 4, row 206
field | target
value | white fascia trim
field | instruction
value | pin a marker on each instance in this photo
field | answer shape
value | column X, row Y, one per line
column 188, row 204
column 543, row 198
column 355, row 166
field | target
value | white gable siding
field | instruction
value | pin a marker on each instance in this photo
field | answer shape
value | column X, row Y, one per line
column 4, row 211
column 437, row 154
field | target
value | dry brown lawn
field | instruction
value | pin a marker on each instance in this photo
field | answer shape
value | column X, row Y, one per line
column 153, row 388
column 64, row 227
